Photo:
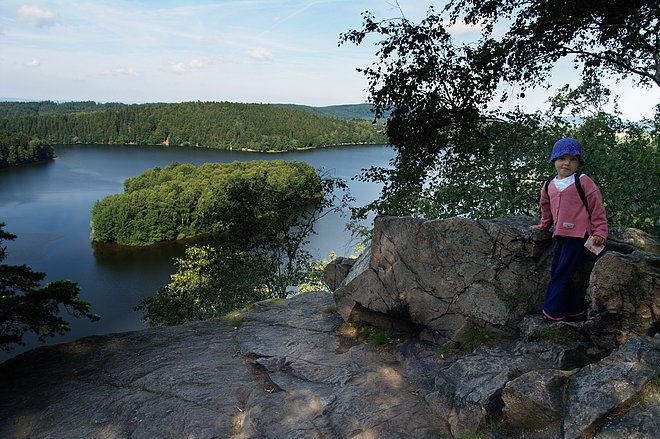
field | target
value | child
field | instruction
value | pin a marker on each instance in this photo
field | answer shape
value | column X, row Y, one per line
column 562, row 205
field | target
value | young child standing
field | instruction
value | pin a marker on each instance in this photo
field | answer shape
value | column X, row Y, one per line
column 574, row 222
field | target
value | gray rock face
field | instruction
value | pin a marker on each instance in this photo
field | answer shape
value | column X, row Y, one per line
column 535, row 399
column 624, row 296
column 603, row 387
column 448, row 275
column 284, row 373
column 523, row 390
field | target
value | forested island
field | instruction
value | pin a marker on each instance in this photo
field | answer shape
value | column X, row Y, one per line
column 20, row 149
column 223, row 125
column 183, row 201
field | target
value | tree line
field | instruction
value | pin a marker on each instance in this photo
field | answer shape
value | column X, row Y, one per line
column 34, row 108
column 183, row 201
column 20, row 149
column 222, row 125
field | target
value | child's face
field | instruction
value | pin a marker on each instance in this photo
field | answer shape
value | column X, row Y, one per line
column 566, row 165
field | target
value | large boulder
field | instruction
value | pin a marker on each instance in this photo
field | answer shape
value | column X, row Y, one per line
column 534, row 403
column 601, row 391
column 448, row 276
column 610, row 398
column 468, row 390
column 624, row 296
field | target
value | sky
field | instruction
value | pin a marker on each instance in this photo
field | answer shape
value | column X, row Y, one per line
column 268, row 51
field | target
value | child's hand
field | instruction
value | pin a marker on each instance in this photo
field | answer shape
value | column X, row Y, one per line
column 536, row 227
column 597, row 240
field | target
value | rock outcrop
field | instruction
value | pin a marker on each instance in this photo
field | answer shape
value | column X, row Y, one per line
column 458, row 280
column 286, row 372
column 448, row 276
column 624, row 297
column 476, row 355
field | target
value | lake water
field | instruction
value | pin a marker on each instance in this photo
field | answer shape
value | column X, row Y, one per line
column 47, row 205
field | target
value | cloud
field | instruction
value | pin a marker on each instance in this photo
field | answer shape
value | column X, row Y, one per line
column 37, row 16
column 178, row 68
column 128, row 71
column 34, row 62
column 461, row 29
column 261, row 54
column 181, row 68
column 198, row 63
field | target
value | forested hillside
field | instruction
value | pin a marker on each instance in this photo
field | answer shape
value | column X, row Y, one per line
column 183, row 200
column 345, row 112
column 17, row 108
column 20, row 149
column 221, row 125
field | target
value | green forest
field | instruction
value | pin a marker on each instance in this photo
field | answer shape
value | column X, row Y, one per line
column 20, row 149
column 223, row 125
column 183, row 200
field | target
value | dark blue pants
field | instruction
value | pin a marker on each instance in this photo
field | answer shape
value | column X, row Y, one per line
column 562, row 299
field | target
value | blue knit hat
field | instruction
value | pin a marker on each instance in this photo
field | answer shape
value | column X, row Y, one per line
column 567, row 145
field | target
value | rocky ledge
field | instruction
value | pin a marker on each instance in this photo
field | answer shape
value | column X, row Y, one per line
column 461, row 351
column 285, row 371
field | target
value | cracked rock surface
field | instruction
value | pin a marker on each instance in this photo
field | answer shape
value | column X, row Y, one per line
column 285, row 372
column 447, row 275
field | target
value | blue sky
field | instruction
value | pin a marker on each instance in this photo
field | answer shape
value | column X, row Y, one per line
column 175, row 50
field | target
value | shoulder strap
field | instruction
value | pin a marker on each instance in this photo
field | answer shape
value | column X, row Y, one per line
column 546, row 184
column 580, row 191
column 578, row 186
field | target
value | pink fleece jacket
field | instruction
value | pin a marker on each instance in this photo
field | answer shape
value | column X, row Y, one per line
column 565, row 210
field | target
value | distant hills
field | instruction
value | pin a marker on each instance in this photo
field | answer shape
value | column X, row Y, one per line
column 17, row 107
column 223, row 125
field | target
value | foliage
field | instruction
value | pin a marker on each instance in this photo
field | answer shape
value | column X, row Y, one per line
column 222, row 125
column 24, row 307
column 455, row 156
column 344, row 112
column 183, row 200
column 604, row 37
column 50, row 107
column 209, row 282
column 313, row 277
column 19, row 149
column 281, row 245
column 238, row 269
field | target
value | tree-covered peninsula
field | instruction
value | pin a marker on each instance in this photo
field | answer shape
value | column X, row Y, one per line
column 20, row 149
column 183, row 200
column 222, row 125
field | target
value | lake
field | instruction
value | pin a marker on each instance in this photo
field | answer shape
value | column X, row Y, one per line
column 47, row 205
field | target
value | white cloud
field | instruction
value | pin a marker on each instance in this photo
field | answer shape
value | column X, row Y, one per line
column 35, row 15
column 128, row 71
column 261, row 54
column 34, row 62
column 462, row 29
column 181, row 68
column 178, row 68
column 197, row 63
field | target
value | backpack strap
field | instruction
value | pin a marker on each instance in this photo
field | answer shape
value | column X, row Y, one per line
column 580, row 191
column 546, row 184
column 578, row 186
